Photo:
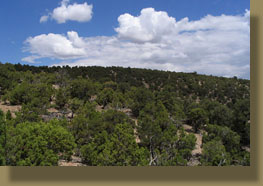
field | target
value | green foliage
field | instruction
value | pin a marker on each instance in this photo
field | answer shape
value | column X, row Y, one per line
column 82, row 89
column 171, row 103
column 112, row 117
column 105, row 96
column 244, row 158
column 229, row 138
column 124, row 87
column 110, row 85
column 8, row 115
column 198, row 118
column 27, row 113
column 176, row 147
column 20, row 94
column 61, row 98
column 75, row 104
column 2, row 138
column 8, row 77
column 153, row 119
column 218, row 114
column 39, row 144
column 160, row 101
column 241, row 118
column 118, row 148
column 214, row 154
column 87, row 123
column 38, row 94
column 157, row 133
column 140, row 97
column 118, row 101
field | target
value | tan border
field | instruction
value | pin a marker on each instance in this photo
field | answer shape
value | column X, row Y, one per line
column 167, row 175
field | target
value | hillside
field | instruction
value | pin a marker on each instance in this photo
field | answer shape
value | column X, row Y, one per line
column 121, row 116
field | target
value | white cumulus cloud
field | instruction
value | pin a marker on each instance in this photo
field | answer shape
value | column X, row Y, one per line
column 54, row 46
column 70, row 12
column 217, row 45
column 149, row 26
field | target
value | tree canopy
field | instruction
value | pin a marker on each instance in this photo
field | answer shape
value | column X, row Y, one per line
column 122, row 116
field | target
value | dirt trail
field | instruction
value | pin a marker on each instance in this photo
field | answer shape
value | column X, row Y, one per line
column 198, row 149
column 196, row 153
column 135, row 131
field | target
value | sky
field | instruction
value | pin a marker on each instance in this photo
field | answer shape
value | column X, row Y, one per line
column 205, row 36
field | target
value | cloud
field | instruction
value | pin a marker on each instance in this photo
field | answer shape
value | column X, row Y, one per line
column 152, row 26
column 43, row 19
column 55, row 46
column 75, row 12
column 149, row 26
column 217, row 45
column 31, row 59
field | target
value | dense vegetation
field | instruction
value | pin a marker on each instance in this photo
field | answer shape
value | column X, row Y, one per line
column 122, row 116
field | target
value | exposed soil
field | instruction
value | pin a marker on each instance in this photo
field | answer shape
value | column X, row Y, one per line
column 13, row 109
column 75, row 162
column 135, row 131
column 99, row 108
column 198, row 149
column 246, row 148
column 52, row 110
column 146, row 85
column 194, row 161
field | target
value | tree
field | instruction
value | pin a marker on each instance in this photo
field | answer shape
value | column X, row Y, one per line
column 171, row 103
column 87, row 123
column 160, row 101
column 61, row 98
column 124, row 87
column 241, row 119
column 151, row 121
column 8, row 115
column 118, row 148
column 157, row 133
column 2, row 138
column 112, row 117
column 27, row 113
column 198, row 118
column 110, row 84
column 82, row 88
column 229, row 138
column 37, row 94
column 75, row 104
column 140, row 97
column 214, row 154
column 8, row 77
column 105, row 97
column 218, row 114
column 20, row 94
column 39, row 144
column 118, row 100
column 176, row 147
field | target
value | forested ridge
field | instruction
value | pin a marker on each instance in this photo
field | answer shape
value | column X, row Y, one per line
column 110, row 116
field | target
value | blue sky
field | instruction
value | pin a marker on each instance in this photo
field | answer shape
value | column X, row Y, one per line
column 103, row 33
